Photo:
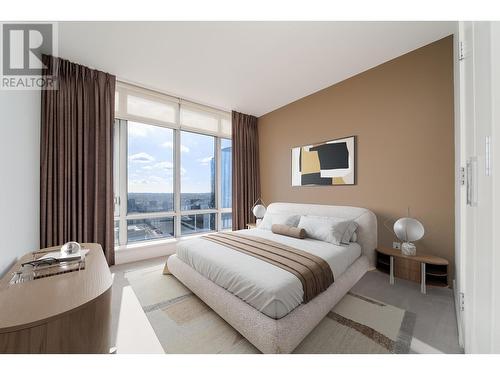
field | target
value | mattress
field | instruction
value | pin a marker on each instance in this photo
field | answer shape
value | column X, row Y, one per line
column 268, row 288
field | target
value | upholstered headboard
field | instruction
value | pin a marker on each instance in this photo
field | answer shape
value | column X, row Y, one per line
column 367, row 221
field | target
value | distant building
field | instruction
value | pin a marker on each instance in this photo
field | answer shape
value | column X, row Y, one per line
column 226, row 177
column 212, row 181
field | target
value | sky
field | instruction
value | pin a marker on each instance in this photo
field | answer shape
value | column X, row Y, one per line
column 150, row 160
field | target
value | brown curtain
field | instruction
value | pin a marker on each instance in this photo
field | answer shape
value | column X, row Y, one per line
column 246, row 175
column 76, row 165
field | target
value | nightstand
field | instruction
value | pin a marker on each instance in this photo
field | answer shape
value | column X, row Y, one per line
column 422, row 268
column 251, row 226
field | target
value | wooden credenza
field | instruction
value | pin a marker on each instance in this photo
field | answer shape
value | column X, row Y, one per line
column 422, row 268
column 65, row 313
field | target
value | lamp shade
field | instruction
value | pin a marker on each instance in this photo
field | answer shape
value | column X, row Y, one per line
column 408, row 229
column 259, row 211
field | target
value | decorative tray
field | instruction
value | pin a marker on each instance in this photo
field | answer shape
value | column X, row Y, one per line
column 40, row 268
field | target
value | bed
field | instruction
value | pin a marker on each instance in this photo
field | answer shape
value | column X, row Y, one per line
column 266, row 303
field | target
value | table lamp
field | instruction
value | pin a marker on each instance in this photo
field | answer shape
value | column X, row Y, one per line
column 408, row 230
column 259, row 210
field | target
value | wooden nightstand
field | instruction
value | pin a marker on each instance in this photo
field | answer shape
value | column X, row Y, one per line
column 422, row 268
column 251, row 226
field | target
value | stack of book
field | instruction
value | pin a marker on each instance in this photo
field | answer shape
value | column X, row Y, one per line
column 50, row 264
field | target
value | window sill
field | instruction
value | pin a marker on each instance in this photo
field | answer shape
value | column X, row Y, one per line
column 145, row 244
column 150, row 249
column 166, row 241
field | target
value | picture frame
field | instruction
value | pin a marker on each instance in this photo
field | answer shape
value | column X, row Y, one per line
column 328, row 163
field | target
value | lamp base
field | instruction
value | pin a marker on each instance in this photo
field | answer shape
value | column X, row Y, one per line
column 409, row 249
column 258, row 221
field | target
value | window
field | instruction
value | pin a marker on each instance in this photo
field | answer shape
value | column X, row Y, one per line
column 172, row 166
column 117, row 231
column 197, row 223
column 150, row 229
column 226, row 155
column 197, row 171
column 116, row 169
column 227, row 220
column 150, row 166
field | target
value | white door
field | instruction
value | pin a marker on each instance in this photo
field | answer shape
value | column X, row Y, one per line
column 477, row 252
column 463, row 107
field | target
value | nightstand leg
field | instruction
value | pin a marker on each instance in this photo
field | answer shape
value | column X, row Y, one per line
column 422, row 278
column 391, row 271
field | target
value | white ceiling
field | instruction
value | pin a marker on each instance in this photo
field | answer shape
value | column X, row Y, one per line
column 251, row 67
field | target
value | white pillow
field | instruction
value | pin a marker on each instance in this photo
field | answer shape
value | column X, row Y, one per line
column 284, row 219
column 354, row 237
column 329, row 229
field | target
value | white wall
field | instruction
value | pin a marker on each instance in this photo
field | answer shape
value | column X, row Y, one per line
column 19, row 174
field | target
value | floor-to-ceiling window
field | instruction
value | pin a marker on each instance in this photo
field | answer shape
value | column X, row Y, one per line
column 172, row 167
column 226, row 155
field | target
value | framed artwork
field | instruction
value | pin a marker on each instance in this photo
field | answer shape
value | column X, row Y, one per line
column 328, row 163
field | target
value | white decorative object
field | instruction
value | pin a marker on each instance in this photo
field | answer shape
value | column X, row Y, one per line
column 70, row 248
column 408, row 248
column 259, row 211
column 408, row 230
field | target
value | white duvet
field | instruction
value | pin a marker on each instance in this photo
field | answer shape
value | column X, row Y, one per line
column 268, row 288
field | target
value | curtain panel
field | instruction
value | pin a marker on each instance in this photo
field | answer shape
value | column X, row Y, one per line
column 76, row 157
column 246, row 175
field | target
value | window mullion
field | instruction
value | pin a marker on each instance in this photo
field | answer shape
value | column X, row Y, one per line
column 150, row 215
column 177, row 180
column 218, row 185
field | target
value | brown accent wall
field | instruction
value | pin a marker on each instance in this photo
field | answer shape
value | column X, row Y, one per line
column 402, row 114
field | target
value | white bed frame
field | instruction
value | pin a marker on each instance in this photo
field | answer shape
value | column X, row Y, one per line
column 283, row 335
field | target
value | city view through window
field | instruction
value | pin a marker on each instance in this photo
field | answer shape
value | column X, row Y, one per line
column 151, row 188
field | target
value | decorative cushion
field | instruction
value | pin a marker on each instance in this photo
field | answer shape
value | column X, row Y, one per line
column 289, row 231
column 350, row 233
column 270, row 219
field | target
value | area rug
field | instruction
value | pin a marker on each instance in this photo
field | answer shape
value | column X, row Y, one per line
column 184, row 324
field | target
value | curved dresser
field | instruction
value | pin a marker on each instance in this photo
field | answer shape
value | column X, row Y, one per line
column 65, row 313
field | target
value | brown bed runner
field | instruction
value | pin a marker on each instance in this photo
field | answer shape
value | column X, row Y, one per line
column 313, row 272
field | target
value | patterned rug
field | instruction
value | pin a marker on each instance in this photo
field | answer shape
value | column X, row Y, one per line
column 184, row 324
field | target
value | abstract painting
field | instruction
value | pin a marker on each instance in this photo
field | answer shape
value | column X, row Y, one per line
column 327, row 163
